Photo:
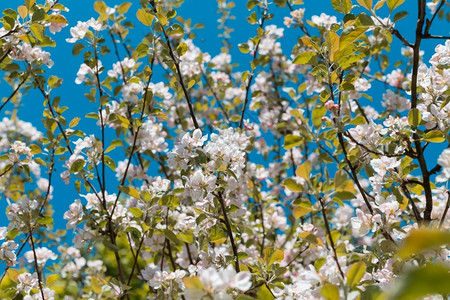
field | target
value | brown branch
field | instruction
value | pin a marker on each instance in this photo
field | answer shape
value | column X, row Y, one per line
column 229, row 231
column 429, row 22
column 36, row 265
column 249, row 83
column 15, row 91
column 414, row 98
column 330, row 237
column 180, row 78
column 215, row 97
column 413, row 205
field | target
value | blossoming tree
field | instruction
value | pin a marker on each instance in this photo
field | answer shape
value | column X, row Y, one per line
column 204, row 179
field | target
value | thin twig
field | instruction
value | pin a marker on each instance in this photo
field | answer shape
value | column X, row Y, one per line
column 36, row 265
column 15, row 91
column 330, row 237
column 250, row 79
column 229, row 231
column 444, row 214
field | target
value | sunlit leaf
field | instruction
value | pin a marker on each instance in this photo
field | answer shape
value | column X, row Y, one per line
column 145, row 17
column 393, row 4
column 355, row 273
column 304, row 58
column 304, row 170
column 291, row 141
column 330, row 292
column 431, row 279
column 423, row 239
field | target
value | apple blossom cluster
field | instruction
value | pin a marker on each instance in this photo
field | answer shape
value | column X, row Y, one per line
column 87, row 150
column 216, row 283
column 80, row 31
column 7, row 249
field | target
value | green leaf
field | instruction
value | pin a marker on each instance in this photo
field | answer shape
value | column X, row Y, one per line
column 136, row 211
column 29, row 3
column 100, row 8
column 379, row 5
column 304, row 58
column 431, row 279
column 193, row 283
column 340, row 178
column 130, row 191
column 123, row 8
column 342, row 6
column 367, row 4
column 264, row 293
column 350, row 37
column 59, row 19
column 38, row 31
column 400, row 15
column 355, row 273
column 186, row 237
column 304, row 170
column 77, row 48
column 291, row 141
column 77, row 166
column 45, row 220
column 301, row 210
column 292, row 185
column 251, row 4
column 171, row 236
column 23, row 11
column 434, row 136
column 145, row 17
column 272, row 255
column 330, row 292
column 244, row 48
column 182, row 49
column 332, row 40
column 414, row 117
column 38, row 15
column 54, row 81
column 423, row 239
column 217, row 235
column 110, row 246
column 393, row 4
column 191, row 84
column 110, row 163
column 51, row 279
column 11, row 67
column 74, row 122
column 162, row 19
